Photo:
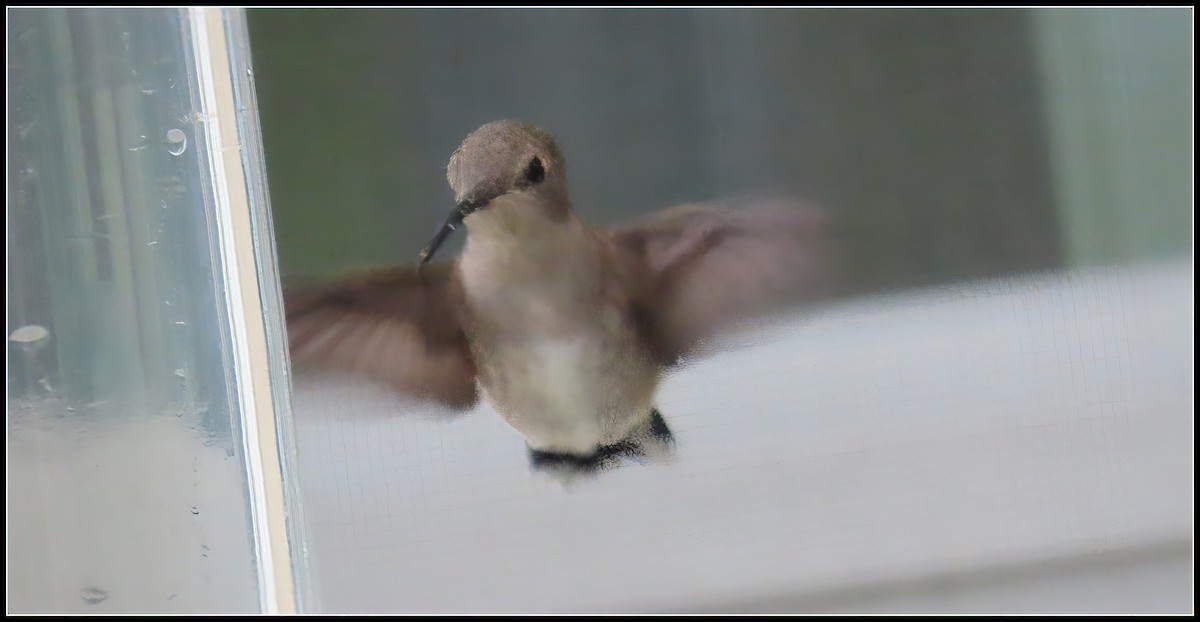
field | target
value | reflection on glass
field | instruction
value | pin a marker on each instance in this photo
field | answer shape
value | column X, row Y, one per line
column 127, row 487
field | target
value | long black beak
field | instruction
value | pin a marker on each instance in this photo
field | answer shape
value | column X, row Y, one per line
column 465, row 208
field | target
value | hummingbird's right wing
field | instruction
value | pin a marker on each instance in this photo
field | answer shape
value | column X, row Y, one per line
column 399, row 326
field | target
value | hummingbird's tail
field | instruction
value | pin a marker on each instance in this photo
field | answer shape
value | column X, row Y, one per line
column 650, row 443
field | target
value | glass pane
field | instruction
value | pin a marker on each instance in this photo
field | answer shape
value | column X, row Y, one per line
column 127, row 476
column 994, row 415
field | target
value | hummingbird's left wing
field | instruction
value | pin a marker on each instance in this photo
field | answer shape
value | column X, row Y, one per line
column 400, row 326
column 701, row 266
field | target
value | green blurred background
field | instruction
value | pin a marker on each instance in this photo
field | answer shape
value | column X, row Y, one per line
column 953, row 143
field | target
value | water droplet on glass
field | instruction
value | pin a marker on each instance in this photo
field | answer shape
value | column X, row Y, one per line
column 29, row 334
column 93, row 595
column 176, row 141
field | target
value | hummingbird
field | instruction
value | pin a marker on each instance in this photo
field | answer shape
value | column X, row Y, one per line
column 566, row 330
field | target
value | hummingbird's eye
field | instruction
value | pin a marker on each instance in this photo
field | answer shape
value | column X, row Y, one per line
column 534, row 173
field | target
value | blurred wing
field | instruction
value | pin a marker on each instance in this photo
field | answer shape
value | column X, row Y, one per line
column 711, row 264
column 395, row 325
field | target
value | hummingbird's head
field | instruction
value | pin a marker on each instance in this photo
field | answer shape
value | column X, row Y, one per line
column 500, row 158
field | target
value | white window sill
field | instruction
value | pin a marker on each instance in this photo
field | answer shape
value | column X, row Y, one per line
column 896, row 441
